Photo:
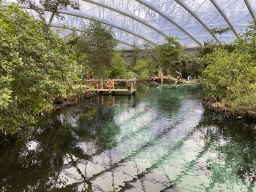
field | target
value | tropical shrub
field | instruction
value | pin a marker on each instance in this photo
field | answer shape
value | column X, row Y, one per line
column 190, row 64
column 142, row 68
column 231, row 79
column 35, row 65
column 118, row 67
column 246, row 43
column 97, row 43
column 131, row 75
column 168, row 52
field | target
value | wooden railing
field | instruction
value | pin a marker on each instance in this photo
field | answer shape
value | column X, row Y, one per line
column 100, row 85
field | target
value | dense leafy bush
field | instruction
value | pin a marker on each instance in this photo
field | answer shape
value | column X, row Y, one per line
column 190, row 64
column 142, row 68
column 35, row 65
column 168, row 52
column 119, row 67
column 231, row 79
column 95, row 47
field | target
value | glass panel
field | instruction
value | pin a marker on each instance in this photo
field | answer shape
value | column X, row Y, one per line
column 237, row 13
column 149, row 16
column 148, row 22
column 121, row 46
column 253, row 5
column 186, row 41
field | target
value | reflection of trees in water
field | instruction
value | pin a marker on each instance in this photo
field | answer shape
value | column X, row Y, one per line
column 101, row 127
column 59, row 137
column 57, row 140
column 34, row 167
column 234, row 140
column 168, row 98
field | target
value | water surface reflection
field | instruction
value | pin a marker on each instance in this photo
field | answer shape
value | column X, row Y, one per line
column 162, row 139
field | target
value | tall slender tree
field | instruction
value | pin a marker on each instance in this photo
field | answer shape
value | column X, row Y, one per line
column 98, row 44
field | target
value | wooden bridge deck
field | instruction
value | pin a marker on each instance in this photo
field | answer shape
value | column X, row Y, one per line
column 98, row 84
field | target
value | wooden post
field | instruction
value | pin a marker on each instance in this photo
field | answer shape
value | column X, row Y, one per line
column 131, row 87
column 97, row 87
column 101, row 83
column 161, row 74
column 113, row 88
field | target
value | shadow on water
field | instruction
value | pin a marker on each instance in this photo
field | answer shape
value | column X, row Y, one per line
column 162, row 139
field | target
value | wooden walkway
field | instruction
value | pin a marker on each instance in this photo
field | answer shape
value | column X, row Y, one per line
column 101, row 87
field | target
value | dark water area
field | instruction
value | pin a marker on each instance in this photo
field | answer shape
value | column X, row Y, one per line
column 162, row 139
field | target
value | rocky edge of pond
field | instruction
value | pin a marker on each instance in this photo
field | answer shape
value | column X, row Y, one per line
column 218, row 106
column 63, row 102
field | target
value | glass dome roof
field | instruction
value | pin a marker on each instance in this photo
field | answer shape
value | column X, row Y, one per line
column 150, row 21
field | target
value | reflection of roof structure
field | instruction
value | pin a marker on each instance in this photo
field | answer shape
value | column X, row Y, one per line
column 150, row 21
column 146, row 152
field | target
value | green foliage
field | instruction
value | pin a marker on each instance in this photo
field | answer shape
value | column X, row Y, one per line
column 51, row 6
column 190, row 64
column 246, row 43
column 34, row 66
column 219, row 31
column 142, row 68
column 97, row 44
column 131, row 75
column 119, row 67
column 231, row 77
column 78, row 90
column 208, row 48
column 141, row 53
column 168, row 52
column 144, row 52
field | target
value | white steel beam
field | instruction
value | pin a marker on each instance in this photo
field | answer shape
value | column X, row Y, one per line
column 198, row 19
column 127, row 15
column 170, row 20
column 57, row 26
column 250, row 10
column 104, row 22
column 224, row 16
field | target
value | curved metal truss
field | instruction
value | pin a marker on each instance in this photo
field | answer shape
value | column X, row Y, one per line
column 224, row 16
column 140, row 21
column 61, row 27
column 197, row 18
column 250, row 9
column 106, row 23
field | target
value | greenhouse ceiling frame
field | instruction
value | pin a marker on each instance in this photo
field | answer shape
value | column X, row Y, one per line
column 133, row 23
column 93, row 19
column 250, row 10
column 198, row 19
column 224, row 16
column 127, row 15
column 80, row 30
column 170, row 20
column 106, row 23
